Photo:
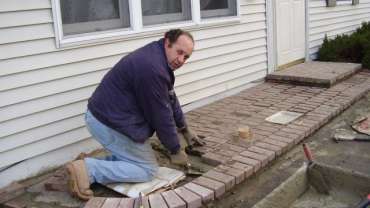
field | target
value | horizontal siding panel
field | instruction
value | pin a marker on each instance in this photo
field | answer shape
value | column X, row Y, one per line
column 334, row 27
column 223, row 58
column 20, row 5
column 334, row 33
column 335, row 14
column 25, row 33
column 75, row 82
column 252, row 9
column 27, row 48
column 56, row 72
column 224, row 73
column 221, row 66
column 42, row 118
column 224, row 49
column 20, row 18
column 45, row 103
column 48, row 45
column 40, row 133
column 251, row 2
column 49, row 88
column 216, row 89
column 81, row 54
column 358, row 18
column 43, row 146
column 324, row 10
column 342, row 19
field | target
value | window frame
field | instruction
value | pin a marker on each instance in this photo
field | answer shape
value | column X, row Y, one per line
column 210, row 14
column 176, row 16
column 136, row 28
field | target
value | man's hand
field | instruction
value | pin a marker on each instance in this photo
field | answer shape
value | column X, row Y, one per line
column 180, row 158
column 191, row 138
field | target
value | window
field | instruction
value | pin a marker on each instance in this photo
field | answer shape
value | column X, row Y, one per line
column 165, row 11
column 217, row 8
column 93, row 15
column 88, row 21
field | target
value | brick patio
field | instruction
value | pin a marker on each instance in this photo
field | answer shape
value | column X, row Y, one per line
column 235, row 159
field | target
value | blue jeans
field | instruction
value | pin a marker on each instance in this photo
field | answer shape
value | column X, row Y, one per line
column 129, row 161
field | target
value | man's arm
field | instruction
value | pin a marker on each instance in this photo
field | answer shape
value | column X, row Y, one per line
column 153, row 99
column 177, row 111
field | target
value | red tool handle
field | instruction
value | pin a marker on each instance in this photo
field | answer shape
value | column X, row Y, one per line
column 307, row 153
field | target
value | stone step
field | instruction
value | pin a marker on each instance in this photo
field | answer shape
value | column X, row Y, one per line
column 314, row 73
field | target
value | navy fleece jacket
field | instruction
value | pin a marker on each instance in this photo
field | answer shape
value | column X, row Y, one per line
column 136, row 97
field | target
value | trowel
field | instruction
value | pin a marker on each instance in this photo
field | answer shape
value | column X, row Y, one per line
column 348, row 135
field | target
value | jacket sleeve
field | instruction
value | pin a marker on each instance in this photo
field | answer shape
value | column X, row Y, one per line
column 152, row 93
column 177, row 111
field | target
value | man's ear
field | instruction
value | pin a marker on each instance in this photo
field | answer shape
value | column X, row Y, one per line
column 167, row 43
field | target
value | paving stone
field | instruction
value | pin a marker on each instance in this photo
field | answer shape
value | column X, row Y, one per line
column 237, row 173
column 248, row 169
column 285, row 146
column 270, row 154
column 260, row 157
column 56, row 184
column 173, row 200
column 12, row 191
column 218, row 187
column 157, row 201
column 192, row 200
column 14, row 204
column 213, row 159
column 95, row 202
column 232, row 147
column 278, row 150
column 206, row 194
column 130, row 202
column 249, row 161
column 111, row 203
column 228, row 180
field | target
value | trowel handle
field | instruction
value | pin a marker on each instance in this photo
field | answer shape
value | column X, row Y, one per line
column 307, row 153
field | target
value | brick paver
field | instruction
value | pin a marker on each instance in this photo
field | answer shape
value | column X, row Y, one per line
column 192, row 200
column 173, row 200
column 219, row 188
column 228, row 180
column 206, row 194
column 157, row 201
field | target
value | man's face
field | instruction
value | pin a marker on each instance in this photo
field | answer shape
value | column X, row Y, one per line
column 178, row 52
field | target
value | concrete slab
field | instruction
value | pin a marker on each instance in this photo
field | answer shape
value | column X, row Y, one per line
column 323, row 74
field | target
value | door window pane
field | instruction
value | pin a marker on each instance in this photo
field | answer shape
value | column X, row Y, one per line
column 217, row 8
column 165, row 11
column 83, row 16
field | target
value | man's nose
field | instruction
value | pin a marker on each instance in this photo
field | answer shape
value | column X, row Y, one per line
column 182, row 59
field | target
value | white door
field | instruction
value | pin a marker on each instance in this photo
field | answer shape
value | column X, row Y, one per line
column 290, row 30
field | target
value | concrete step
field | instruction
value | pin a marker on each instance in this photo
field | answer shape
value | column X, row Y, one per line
column 320, row 74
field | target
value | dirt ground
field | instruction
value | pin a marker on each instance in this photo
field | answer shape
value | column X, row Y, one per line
column 351, row 155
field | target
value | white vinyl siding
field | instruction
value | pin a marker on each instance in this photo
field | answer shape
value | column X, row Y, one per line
column 332, row 21
column 44, row 90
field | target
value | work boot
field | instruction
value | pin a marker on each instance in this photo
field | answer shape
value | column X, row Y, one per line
column 79, row 184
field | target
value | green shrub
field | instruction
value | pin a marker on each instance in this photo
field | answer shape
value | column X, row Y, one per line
column 347, row 48
column 366, row 60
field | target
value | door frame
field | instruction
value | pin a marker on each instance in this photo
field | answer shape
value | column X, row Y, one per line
column 272, row 34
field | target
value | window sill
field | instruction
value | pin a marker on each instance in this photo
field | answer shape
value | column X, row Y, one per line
column 148, row 31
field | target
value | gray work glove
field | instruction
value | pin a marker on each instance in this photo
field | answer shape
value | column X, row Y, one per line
column 180, row 158
column 191, row 138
